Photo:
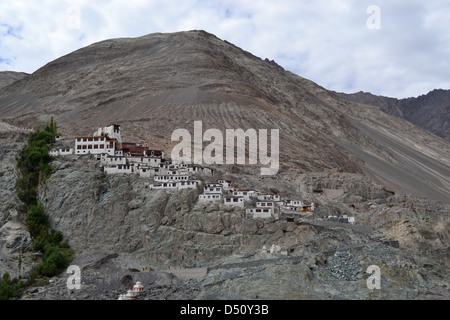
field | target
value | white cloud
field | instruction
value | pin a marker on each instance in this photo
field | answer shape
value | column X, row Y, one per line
column 325, row 41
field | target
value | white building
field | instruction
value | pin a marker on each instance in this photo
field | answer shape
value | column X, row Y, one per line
column 201, row 170
column 146, row 172
column 187, row 184
column 149, row 161
column 172, row 185
column 170, row 178
column 265, row 204
column 290, row 209
column 294, row 203
column 209, row 197
column 61, row 152
column 111, row 131
column 260, row 212
column 232, row 201
column 212, row 189
column 95, row 145
column 118, row 169
column 226, row 184
column 246, row 194
column 107, row 160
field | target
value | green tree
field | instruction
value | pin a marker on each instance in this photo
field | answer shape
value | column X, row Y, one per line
column 37, row 220
column 51, row 128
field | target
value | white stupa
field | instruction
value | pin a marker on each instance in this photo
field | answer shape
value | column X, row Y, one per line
column 130, row 295
column 138, row 287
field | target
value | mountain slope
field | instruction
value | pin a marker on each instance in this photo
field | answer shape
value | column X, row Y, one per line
column 9, row 77
column 155, row 84
column 430, row 111
column 161, row 82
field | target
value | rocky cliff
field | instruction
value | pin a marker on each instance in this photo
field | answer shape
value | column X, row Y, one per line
column 215, row 252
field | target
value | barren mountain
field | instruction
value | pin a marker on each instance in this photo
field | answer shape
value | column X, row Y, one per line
column 155, row 84
column 430, row 111
column 346, row 157
column 9, row 77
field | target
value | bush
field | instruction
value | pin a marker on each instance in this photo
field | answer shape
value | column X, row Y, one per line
column 39, row 244
column 36, row 220
column 55, row 259
column 9, row 288
column 47, row 269
column 33, row 163
column 55, row 237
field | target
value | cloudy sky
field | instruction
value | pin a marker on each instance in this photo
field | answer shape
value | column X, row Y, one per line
column 396, row 48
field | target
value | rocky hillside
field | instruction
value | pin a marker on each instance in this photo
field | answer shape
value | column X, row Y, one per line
column 9, row 77
column 155, row 84
column 429, row 111
column 180, row 248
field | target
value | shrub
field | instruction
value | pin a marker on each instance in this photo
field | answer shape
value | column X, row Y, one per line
column 36, row 220
column 9, row 288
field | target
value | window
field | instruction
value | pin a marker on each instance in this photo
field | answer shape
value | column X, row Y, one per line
column 102, row 146
column 90, row 146
column 84, row 147
column 95, row 146
column 78, row 147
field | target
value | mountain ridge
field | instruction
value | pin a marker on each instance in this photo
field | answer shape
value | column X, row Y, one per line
column 429, row 111
column 157, row 83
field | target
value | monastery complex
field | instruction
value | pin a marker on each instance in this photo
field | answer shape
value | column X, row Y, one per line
column 118, row 157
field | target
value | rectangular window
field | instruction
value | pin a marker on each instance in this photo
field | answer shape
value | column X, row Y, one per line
column 95, row 146
column 102, row 146
column 78, row 147
column 90, row 146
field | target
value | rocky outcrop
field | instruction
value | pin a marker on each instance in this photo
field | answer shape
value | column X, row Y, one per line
column 155, row 231
column 15, row 239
